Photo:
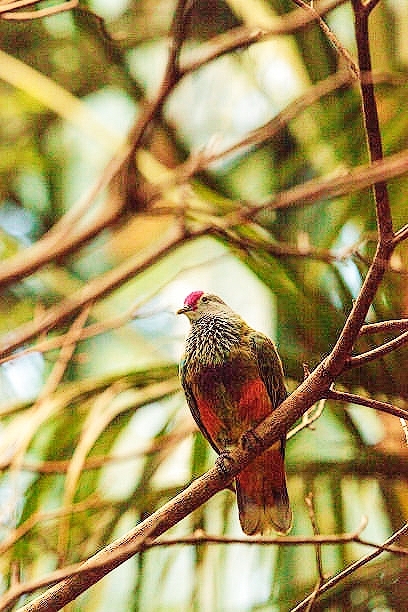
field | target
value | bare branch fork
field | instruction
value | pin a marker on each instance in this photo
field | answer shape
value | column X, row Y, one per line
column 313, row 388
column 200, row 537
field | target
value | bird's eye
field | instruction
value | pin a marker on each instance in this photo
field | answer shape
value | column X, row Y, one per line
column 204, row 299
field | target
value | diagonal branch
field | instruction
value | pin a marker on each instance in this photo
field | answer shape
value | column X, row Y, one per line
column 401, row 234
column 200, row 491
column 10, row 10
column 380, row 351
column 59, row 241
column 385, row 247
column 350, row 569
column 90, row 292
column 384, row 327
column 372, row 125
column 243, row 36
column 352, row 398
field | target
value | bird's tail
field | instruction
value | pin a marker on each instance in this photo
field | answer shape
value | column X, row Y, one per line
column 263, row 500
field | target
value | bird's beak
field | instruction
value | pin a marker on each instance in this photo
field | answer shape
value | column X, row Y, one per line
column 184, row 310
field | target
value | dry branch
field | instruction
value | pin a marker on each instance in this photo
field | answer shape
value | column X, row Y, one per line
column 11, row 11
column 318, row 383
column 353, row 567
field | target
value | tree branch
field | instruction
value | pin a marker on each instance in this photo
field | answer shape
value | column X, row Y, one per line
column 10, row 10
column 93, row 290
column 350, row 569
column 342, row 350
column 384, row 327
column 59, row 241
column 362, row 12
column 352, row 398
column 200, row 491
column 242, row 37
column 380, row 351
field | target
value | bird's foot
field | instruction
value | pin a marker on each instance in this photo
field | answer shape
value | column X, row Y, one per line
column 250, row 440
column 224, row 461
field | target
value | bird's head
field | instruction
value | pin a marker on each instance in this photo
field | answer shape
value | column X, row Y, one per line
column 198, row 304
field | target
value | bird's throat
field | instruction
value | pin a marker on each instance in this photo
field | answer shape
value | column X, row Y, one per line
column 211, row 340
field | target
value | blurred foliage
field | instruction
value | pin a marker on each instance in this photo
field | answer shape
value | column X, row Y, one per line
column 111, row 438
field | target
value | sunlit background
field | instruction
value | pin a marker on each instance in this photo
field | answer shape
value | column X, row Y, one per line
column 69, row 95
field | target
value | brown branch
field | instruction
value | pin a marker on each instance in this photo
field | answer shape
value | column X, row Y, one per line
column 199, row 537
column 345, row 182
column 342, row 51
column 14, row 593
column 312, row 191
column 200, row 160
column 384, row 327
column 352, row 398
column 92, row 291
column 401, row 234
column 311, row 390
column 318, row 546
column 200, row 491
column 51, row 246
column 183, row 504
column 318, row 552
column 362, row 11
column 353, row 567
column 17, row 15
column 60, row 466
column 385, row 246
column 11, row 6
column 94, row 329
column 278, row 249
column 309, row 417
column 59, row 241
column 243, row 36
column 68, row 5
column 380, row 351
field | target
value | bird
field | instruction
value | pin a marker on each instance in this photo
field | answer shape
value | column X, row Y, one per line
column 233, row 378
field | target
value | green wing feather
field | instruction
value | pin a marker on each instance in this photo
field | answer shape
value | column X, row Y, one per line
column 192, row 404
column 270, row 367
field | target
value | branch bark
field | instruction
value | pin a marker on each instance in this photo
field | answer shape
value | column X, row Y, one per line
column 200, row 491
column 315, row 387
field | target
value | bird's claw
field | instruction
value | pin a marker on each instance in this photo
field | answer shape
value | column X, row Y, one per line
column 223, row 461
column 250, row 440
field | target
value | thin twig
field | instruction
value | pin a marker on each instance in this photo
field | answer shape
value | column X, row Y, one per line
column 197, row 538
column 356, row 361
column 308, row 419
column 401, row 234
column 57, row 243
column 243, row 36
column 353, row 567
column 93, row 290
column 202, row 159
column 343, row 52
column 312, row 516
column 39, row 517
column 384, row 326
column 336, row 361
column 42, row 407
column 362, row 11
column 404, row 425
column 145, row 543
column 11, row 10
column 352, row 398
column 60, row 466
column 318, row 551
